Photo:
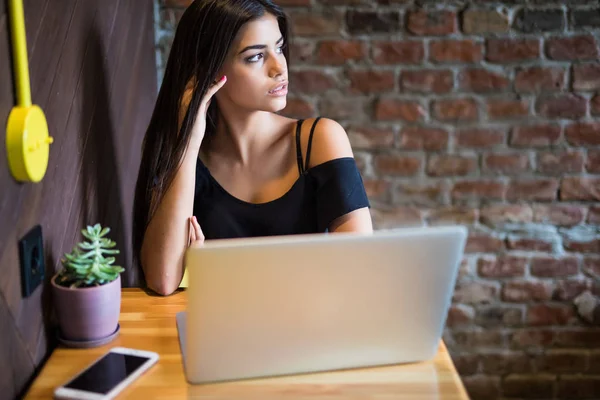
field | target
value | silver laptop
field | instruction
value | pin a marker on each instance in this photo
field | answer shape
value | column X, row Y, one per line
column 283, row 305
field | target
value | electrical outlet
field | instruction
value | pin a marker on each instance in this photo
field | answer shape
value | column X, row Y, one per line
column 31, row 254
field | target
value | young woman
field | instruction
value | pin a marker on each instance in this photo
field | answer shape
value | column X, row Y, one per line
column 219, row 162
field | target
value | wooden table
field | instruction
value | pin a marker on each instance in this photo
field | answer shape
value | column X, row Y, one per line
column 148, row 323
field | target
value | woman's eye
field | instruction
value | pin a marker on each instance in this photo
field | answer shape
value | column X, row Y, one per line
column 254, row 58
column 280, row 49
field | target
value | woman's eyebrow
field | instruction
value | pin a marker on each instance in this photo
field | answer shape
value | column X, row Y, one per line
column 259, row 46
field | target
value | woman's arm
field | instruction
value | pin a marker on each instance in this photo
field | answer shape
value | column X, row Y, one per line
column 167, row 235
column 331, row 141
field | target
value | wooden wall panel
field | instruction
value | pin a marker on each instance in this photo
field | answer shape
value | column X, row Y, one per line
column 92, row 70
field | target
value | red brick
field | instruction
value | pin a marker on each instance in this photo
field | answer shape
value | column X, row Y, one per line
column 360, row 21
column 482, row 387
column 584, row 244
column 512, row 50
column 561, row 361
column 502, row 267
column 567, row 290
column 483, row 243
column 395, row 109
column 506, row 163
column 567, row 106
column 377, row 188
column 500, row 109
column 526, row 338
column 594, row 215
column 526, row 291
column 455, row 51
column 311, row 82
column 311, row 24
column 393, row 217
column 580, row 188
column 425, row 194
column 302, row 52
column 506, row 362
column 592, row 164
column 580, row 47
column 364, row 137
column 451, row 165
column 477, row 21
column 477, row 138
column 423, row 138
column 578, row 387
column 551, row 267
column 499, row 214
column 336, row 106
column 338, row 52
column 466, row 364
column 427, row 81
column 528, row 386
column 431, row 22
column 588, row 242
column 498, row 316
column 478, row 189
column 452, row 215
column 398, row 52
column 298, row 108
column 529, row 244
column 578, row 338
column 459, row 315
column 397, row 165
column 539, row 79
column 558, row 163
column 595, row 105
column 479, row 339
column 591, row 265
column 549, row 314
column 532, row 189
column 482, row 80
column 535, row 135
column 371, row 81
column 459, row 109
column 468, row 292
column 558, row 214
column 594, row 362
column 583, row 134
column 586, row 77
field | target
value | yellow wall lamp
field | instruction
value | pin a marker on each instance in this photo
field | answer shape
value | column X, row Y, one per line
column 27, row 139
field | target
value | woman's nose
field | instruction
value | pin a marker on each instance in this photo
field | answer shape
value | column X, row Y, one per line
column 277, row 68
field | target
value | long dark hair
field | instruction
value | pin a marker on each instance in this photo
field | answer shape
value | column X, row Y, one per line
column 202, row 40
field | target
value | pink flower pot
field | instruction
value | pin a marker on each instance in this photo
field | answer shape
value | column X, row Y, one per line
column 87, row 314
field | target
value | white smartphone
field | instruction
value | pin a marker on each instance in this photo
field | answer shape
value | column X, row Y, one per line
column 108, row 375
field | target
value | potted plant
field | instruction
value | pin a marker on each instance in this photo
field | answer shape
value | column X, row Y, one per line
column 87, row 290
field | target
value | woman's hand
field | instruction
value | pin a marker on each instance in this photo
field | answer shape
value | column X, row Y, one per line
column 196, row 236
column 199, row 127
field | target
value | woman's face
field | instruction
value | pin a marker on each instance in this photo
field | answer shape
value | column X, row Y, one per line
column 256, row 69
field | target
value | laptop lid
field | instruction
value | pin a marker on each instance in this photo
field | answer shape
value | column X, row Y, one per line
column 296, row 304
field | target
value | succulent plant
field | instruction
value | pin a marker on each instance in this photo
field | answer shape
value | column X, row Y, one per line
column 87, row 265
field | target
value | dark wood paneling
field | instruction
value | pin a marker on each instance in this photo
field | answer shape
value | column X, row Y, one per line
column 92, row 70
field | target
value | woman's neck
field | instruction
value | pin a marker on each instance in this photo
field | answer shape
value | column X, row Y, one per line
column 241, row 137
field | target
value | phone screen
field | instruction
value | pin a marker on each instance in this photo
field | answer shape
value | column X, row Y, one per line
column 107, row 373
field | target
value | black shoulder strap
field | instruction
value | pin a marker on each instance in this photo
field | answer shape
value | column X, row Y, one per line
column 312, row 130
column 299, row 146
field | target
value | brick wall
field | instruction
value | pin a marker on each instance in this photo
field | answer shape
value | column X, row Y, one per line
column 481, row 113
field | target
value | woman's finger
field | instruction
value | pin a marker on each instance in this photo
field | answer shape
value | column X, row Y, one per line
column 197, row 230
column 192, row 233
column 211, row 92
